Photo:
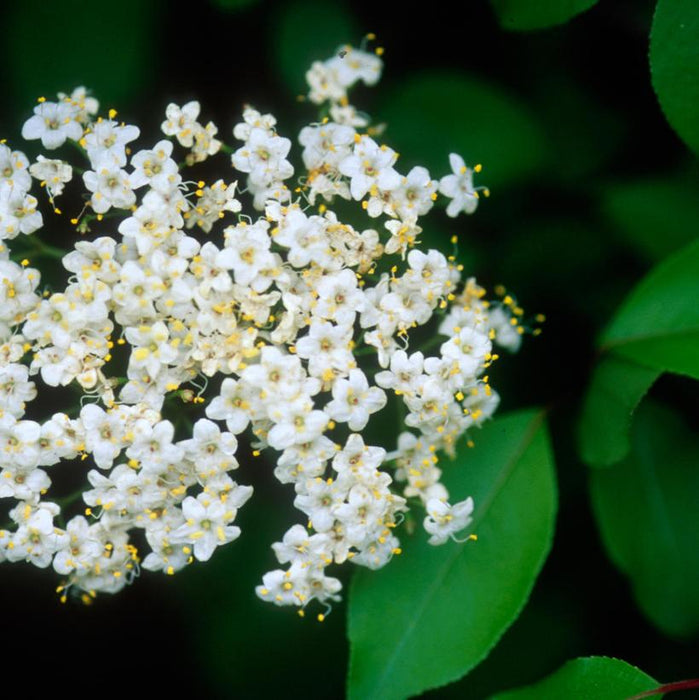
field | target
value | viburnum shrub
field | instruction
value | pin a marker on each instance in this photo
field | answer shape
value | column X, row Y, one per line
column 292, row 326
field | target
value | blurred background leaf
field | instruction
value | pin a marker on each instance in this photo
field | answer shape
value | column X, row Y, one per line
column 646, row 509
column 522, row 15
column 465, row 115
column 305, row 31
column 674, row 64
column 464, row 595
column 616, row 389
column 114, row 50
column 656, row 215
column 594, row 677
column 658, row 323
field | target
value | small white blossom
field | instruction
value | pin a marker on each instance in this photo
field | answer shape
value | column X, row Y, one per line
column 459, row 187
column 444, row 520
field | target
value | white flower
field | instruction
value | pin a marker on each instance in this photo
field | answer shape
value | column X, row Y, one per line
column 207, row 522
column 326, row 145
column 154, row 167
column 53, row 123
column 247, row 254
column 405, row 374
column 353, row 400
column 370, row 165
column 181, row 122
column 285, row 316
column 104, row 434
column 80, row 549
column 35, row 540
column 14, row 168
column 459, row 187
column 444, row 520
column 18, row 213
column 106, row 142
column 339, row 297
column 54, row 174
column 416, row 194
column 15, row 388
column 110, row 186
column 296, row 423
column 264, row 157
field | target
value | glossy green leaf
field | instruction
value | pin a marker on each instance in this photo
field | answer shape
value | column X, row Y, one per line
column 435, row 612
column 305, row 31
column 595, row 677
column 658, row 323
column 674, row 63
column 616, row 389
column 111, row 53
column 434, row 114
column 640, row 210
column 522, row 15
column 646, row 508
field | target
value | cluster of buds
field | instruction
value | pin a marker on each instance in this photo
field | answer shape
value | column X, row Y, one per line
column 311, row 325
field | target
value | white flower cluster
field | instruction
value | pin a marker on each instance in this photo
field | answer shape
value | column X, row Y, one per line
column 309, row 322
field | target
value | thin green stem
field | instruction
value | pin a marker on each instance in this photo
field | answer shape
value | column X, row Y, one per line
column 46, row 250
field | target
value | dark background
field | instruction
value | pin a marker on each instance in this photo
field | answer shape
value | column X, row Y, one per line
column 550, row 234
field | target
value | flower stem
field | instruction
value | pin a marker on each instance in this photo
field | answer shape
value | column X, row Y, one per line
column 668, row 688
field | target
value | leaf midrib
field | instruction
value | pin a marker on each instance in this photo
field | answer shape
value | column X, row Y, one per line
column 630, row 339
column 505, row 475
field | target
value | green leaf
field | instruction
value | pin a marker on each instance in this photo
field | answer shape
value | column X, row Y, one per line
column 674, row 64
column 615, row 391
column 112, row 53
column 658, row 323
column 646, row 508
column 523, row 15
column 435, row 612
column 640, row 211
column 436, row 113
column 305, row 31
column 594, row 677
